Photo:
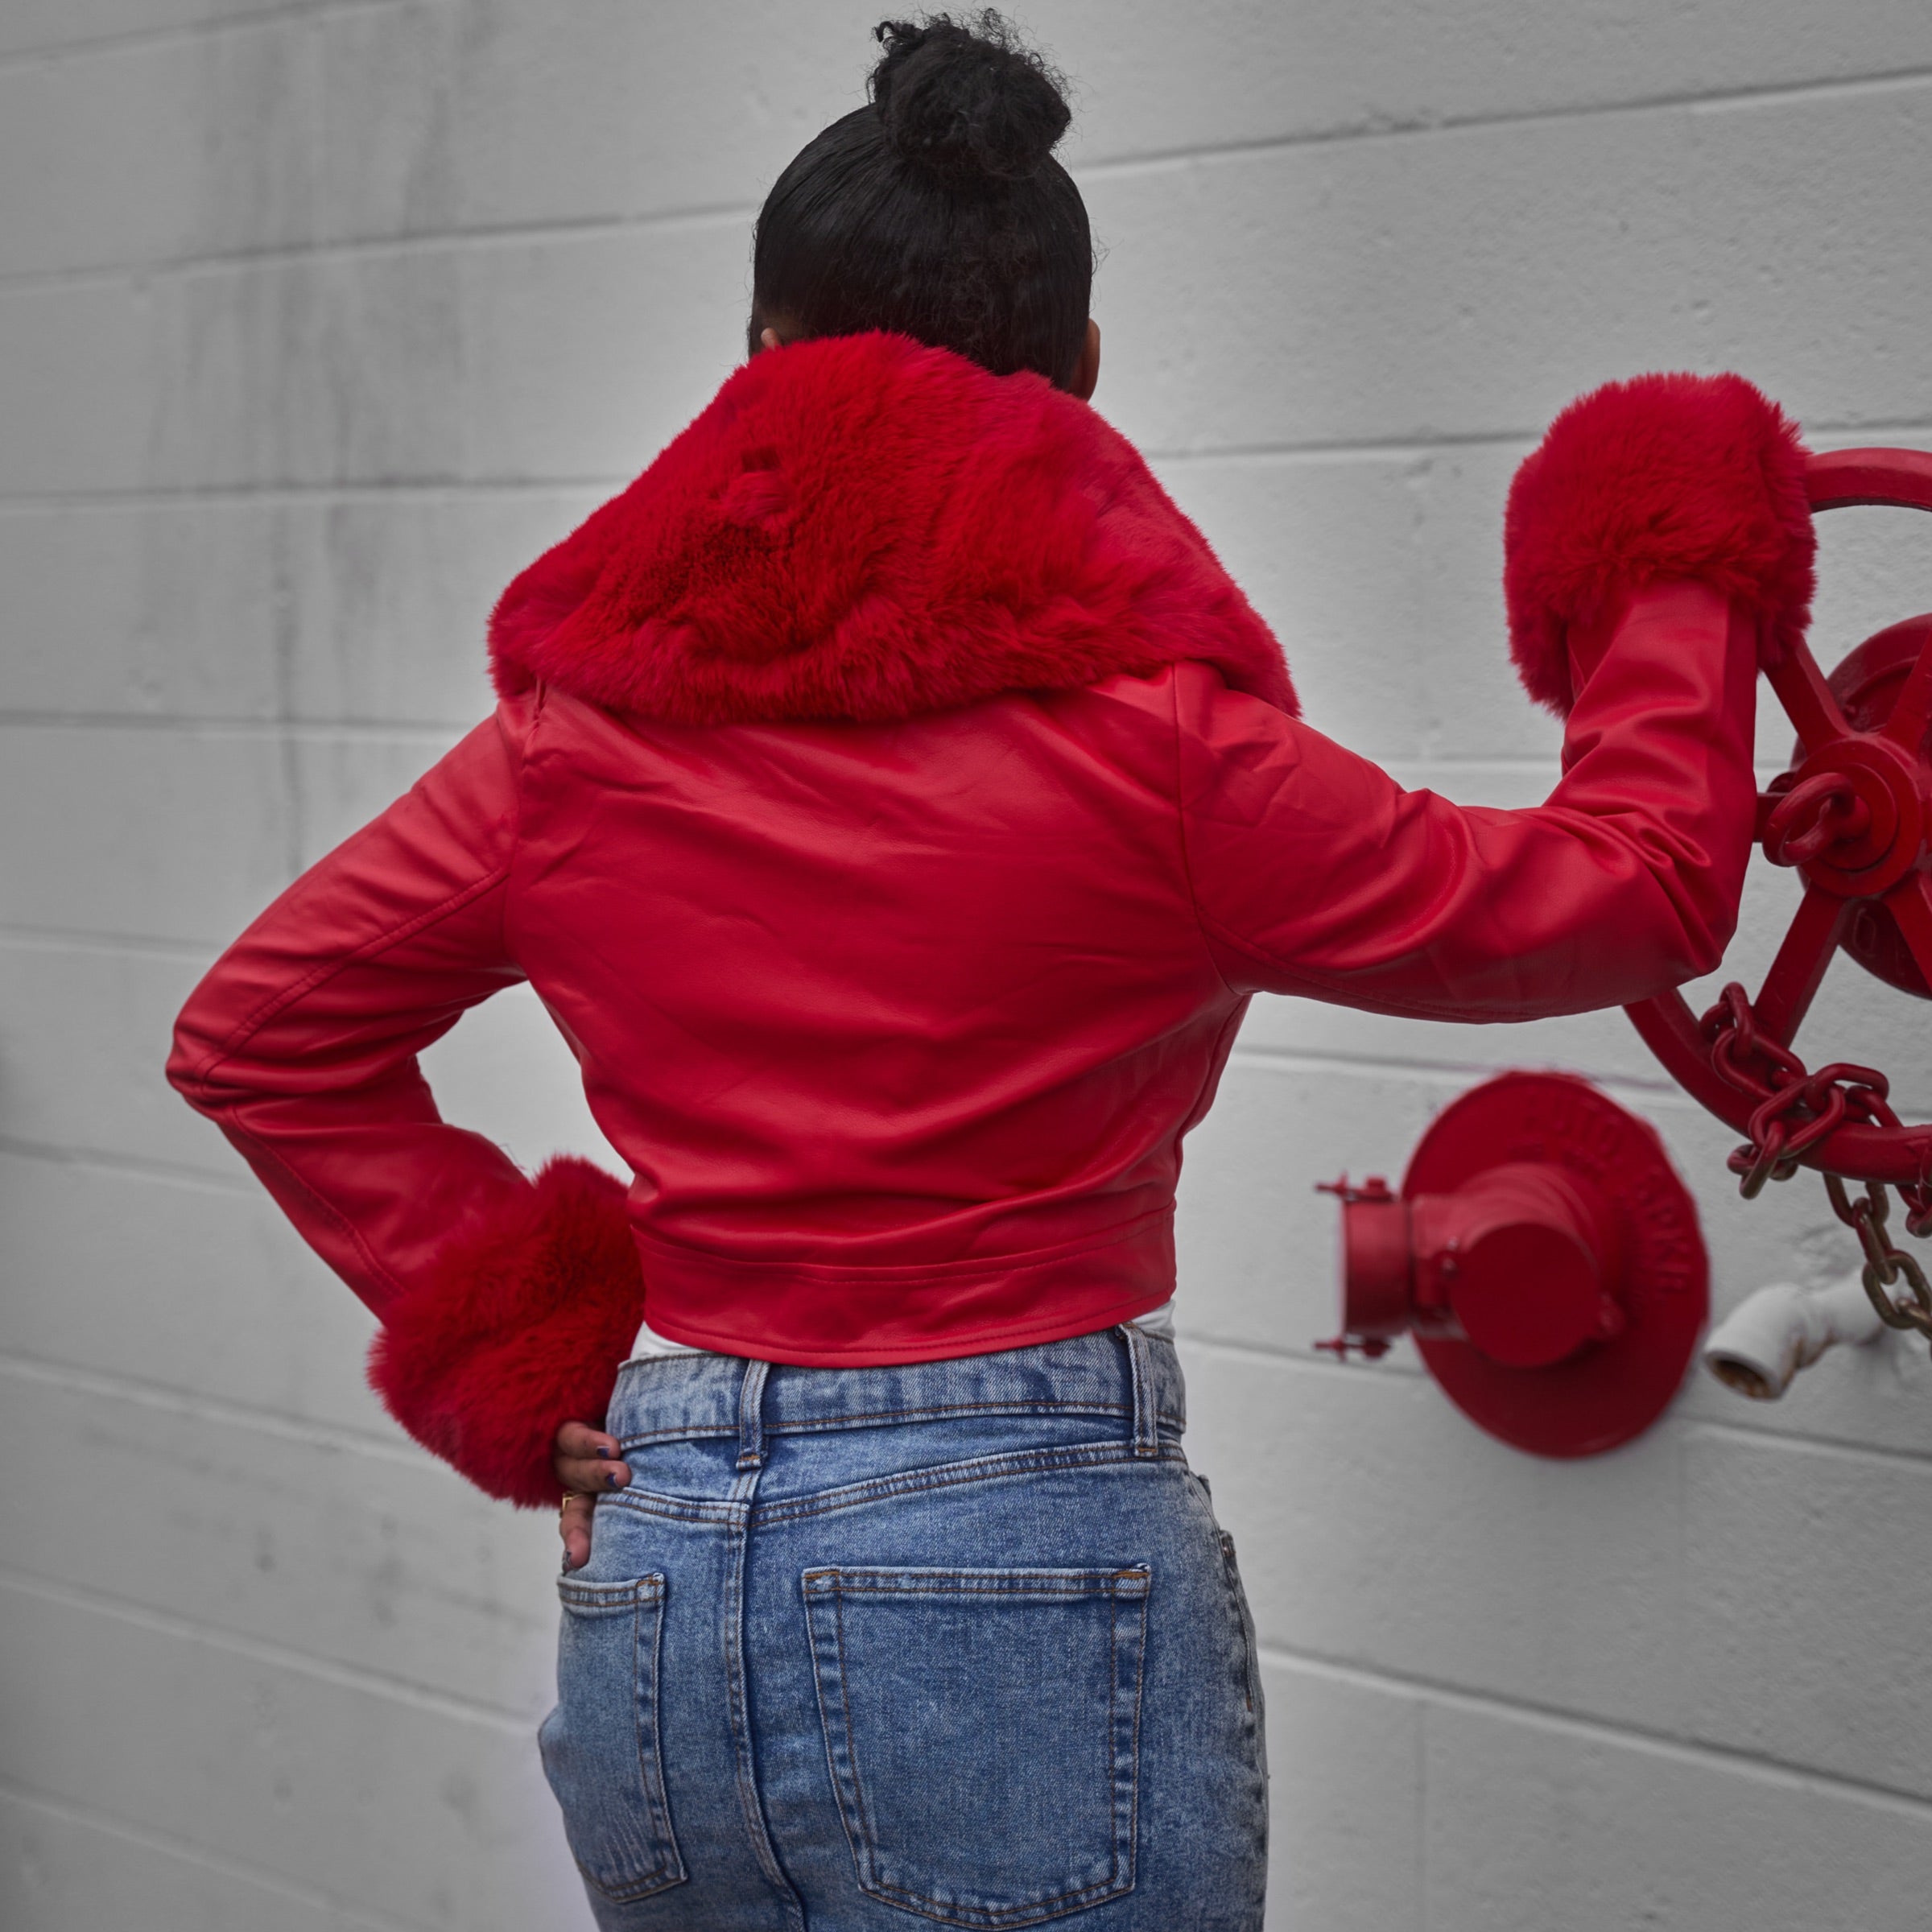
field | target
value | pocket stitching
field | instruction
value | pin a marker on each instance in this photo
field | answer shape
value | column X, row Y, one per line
column 915, row 1482
column 597, row 1597
column 832, row 1769
column 1244, row 1617
column 650, row 1774
column 832, row 1581
column 598, row 1600
column 851, row 1754
column 1140, row 1692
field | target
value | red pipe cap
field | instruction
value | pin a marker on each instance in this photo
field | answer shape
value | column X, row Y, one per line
column 1618, row 1197
column 1527, row 1257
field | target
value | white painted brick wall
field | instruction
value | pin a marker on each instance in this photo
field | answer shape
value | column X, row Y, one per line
column 317, row 319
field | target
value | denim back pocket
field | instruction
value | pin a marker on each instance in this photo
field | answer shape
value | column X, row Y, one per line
column 600, row 1745
column 983, row 1730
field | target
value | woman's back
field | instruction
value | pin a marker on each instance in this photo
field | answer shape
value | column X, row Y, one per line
column 895, row 803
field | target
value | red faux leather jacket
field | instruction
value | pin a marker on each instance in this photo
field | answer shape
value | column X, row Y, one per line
column 895, row 805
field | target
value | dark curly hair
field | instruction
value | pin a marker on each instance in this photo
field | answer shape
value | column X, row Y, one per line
column 937, row 210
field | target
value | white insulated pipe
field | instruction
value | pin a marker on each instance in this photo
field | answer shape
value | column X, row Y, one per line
column 1763, row 1342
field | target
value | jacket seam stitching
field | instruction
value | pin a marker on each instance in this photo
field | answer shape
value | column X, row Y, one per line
column 1318, row 986
column 1180, row 820
column 279, row 1003
column 1251, row 947
column 522, row 751
column 267, row 1151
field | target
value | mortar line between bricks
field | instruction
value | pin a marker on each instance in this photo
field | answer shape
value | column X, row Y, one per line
column 1704, row 1756
column 279, row 495
column 1835, row 1448
column 1119, row 166
column 301, row 12
column 57, row 938
column 479, row 238
column 62, row 1154
column 1655, row 1092
column 1315, row 453
column 275, row 1657
column 306, row 730
column 1318, row 450
column 251, row 496
column 1704, row 101
column 354, row 1917
column 1319, row 453
column 1263, row 1059
column 1661, row 1092
column 193, row 1406
column 1399, row 1363
column 294, row 11
column 1403, row 1364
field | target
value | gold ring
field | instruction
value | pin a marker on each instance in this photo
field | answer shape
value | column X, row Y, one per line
column 565, row 1504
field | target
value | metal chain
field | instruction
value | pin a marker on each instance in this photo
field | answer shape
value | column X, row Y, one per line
column 1796, row 1108
column 1885, row 1265
column 1811, row 814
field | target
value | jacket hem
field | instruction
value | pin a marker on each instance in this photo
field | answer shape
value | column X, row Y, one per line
column 1064, row 1327
column 817, row 1316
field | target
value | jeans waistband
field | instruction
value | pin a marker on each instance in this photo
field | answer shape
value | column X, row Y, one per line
column 1117, row 1371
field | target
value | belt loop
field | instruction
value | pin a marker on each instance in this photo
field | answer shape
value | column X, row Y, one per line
column 751, row 1417
column 1146, row 1422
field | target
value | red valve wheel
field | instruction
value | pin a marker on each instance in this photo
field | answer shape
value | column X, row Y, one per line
column 1854, row 817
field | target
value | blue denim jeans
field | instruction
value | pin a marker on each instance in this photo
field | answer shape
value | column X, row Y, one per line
column 956, row 1643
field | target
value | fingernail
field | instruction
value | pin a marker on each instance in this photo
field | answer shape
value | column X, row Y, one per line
column 610, row 1479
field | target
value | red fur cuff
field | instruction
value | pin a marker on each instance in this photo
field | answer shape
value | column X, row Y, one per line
column 1640, row 482
column 521, row 1326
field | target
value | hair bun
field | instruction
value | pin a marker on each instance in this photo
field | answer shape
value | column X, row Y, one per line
column 967, row 102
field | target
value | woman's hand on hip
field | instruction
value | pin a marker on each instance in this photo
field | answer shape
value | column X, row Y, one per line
column 587, row 1464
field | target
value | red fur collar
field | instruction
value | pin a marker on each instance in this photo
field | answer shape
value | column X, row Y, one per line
column 862, row 528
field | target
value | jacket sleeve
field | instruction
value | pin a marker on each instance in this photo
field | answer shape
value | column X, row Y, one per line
column 506, row 1301
column 1658, row 545
column 1315, row 873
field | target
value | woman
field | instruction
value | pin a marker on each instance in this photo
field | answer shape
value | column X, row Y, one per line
column 896, row 805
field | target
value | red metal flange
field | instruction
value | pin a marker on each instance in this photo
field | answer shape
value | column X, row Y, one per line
column 1544, row 1256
